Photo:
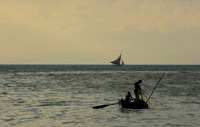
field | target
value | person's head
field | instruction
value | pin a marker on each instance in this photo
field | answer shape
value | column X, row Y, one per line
column 139, row 81
column 129, row 93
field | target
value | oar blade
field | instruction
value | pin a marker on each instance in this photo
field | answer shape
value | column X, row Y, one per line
column 103, row 106
column 100, row 106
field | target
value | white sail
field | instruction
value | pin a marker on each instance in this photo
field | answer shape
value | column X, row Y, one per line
column 122, row 63
column 118, row 61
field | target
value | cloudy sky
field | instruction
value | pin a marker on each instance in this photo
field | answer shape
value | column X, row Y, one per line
column 97, row 31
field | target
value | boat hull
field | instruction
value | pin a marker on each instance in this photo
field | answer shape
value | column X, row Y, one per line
column 137, row 104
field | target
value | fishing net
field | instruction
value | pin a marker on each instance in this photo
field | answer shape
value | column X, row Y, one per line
column 152, row 103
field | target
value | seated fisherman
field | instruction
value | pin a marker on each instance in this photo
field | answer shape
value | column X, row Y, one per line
column 128, row 97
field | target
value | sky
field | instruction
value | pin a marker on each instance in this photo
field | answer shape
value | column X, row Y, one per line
column 97, row 31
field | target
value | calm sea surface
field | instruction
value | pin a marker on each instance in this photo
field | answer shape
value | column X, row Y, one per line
column 63, row 95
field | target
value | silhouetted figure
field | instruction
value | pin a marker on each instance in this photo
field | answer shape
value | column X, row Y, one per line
column 128, row 96
column 137, row 90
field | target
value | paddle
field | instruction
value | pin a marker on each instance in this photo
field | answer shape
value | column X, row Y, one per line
column 155, row 87
column 103, row 106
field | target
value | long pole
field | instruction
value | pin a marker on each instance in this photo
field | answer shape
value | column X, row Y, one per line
column 155, row 88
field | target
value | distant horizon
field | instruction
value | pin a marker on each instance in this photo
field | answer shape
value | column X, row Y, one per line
column 114, row 65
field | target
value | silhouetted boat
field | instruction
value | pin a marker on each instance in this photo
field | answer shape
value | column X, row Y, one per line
column 137, row 104
column 118, row 61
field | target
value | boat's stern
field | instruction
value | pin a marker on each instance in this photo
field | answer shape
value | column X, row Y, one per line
column 120, row 103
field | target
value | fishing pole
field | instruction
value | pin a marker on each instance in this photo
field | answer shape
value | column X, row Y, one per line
column 155, row 87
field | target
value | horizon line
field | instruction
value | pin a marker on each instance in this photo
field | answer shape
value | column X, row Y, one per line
column 106, row 64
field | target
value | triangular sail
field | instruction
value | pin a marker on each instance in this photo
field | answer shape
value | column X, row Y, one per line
column 118, row 61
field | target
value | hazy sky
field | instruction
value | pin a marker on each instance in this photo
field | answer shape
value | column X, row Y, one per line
column 97, row 31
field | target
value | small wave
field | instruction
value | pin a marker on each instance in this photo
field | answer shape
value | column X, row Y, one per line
column 174, row 125
column 190, row 102
column 48, row 103
column 8, row 120
column 71, row 122
column 4, row 93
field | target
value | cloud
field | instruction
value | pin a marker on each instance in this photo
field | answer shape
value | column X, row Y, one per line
column 77, row 16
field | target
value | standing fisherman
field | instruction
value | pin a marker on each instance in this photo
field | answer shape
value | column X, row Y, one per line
column 137, row 90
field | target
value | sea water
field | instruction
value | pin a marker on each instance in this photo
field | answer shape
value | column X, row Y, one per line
column 63, row 95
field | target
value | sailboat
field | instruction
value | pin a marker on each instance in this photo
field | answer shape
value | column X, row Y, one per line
column 118, row 61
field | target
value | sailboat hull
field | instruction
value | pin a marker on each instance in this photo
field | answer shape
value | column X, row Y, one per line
column 117, row 65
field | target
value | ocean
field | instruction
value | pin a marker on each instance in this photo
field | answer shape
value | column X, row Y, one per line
column 64, row 95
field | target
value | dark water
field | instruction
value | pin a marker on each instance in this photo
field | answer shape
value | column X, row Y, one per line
column 63, row 95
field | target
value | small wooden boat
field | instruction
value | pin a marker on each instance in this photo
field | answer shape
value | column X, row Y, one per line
column 136, row 104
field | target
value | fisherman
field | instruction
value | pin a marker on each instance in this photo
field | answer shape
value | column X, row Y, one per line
column 128, row 97
column 137, row 90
